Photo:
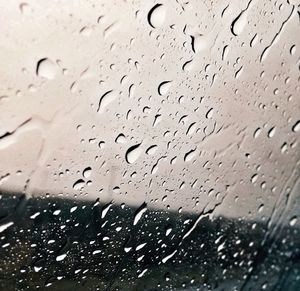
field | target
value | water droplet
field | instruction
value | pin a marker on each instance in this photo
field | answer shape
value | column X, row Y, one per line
column 168, row 231
column 57, row 212
column 209, row 113
column 46, row 69
column 120, row 138
column 221, row 246
column 73, row 209
column 187, row 66
column 293, row 49
column 86, row 31
column 271, row 132
column 257, row 132
column 37, row 269
column 164, row 87
column 61, row 257
column 87, row 172
column 293, row 221
column 5, row 226
column 296, row 126
column 24, row 8
column 157, row 120
column 139, row 213
column 156, row 15
column 284, row 147
column 105, row 210
column 140, row 246
column 239, row 23
column 165, row 259
column 35, row 215
column 142, row 273
column 189, row 155
column 133, row 153
column 101, row 144
column 151, row 150
column 225, row 52
column 191, row 128
column 254, row 178
column 239, row 72
column 105, row 100
column 78, row 184
column 200, row 42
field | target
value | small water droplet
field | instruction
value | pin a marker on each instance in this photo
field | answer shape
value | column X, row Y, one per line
column 25, row 8
column 209, row 113
column 254, row 178
column 257, row 132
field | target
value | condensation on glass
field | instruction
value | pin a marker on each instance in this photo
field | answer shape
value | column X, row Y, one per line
column 150, row 145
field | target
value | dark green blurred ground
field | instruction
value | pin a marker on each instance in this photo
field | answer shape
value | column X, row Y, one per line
column 244, row 263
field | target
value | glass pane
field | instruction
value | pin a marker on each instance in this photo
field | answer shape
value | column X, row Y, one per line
column 149, row 145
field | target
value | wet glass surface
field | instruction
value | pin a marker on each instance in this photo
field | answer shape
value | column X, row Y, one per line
column 150, row 145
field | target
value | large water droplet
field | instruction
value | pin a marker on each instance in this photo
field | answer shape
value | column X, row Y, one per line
column 139, row 213
column 156, row 15
column 164, row 87
column 296, row 126
column 293, row 221
column 105, row 99
column 151, row 150
column 46, row 69
column 120, row 138
column 33, row 216
column 239, row 23
column 189, row 155
column 87, row 172
column 165, row 259
column 105, row 210
column 200, row 42
column 142, row 273
column 78, row 184
column 133, row 153
column 5, row 226
column 271, row 132
column 61, row 257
